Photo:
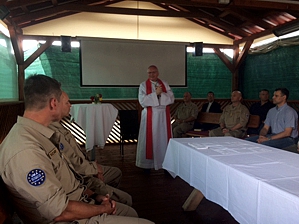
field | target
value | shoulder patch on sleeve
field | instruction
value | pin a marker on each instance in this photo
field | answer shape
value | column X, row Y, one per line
column 61, row 146
column 36, row 177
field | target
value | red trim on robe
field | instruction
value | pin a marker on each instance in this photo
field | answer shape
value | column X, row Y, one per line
column 149, row 125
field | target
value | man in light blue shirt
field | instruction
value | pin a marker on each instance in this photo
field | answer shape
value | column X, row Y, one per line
column 283, row 121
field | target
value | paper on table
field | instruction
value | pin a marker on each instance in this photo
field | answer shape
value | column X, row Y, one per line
column 198, row 146
column 229, row 148
column 238, row 149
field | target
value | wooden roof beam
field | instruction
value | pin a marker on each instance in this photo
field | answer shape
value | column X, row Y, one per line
column 26, row 20
column 224, row 59
column 242, row 14
column 238, row 58
column 267, row 5
column 39, row 51
column 215, row 21
column 76, row 8
column 21, row 3
column 261, row 34
column 242, row 55
column 16, row 41
column 254, row 36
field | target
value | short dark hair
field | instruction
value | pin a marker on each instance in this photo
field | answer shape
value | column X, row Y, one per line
column 189, row 93
column 39, row 89
column 284, row 92
column 264, row 90
column 211, row 92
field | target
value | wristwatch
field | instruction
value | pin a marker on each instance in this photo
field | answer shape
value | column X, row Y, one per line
column 270, row 138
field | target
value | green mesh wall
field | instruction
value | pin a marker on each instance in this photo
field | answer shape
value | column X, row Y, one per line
column 278, row 68
column 8, row 71
column 206, row 73
column 36, row 67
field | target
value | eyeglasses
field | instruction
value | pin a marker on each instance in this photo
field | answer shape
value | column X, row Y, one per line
column 152, row 72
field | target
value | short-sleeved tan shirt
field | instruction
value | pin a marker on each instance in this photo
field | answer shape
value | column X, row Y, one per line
column 235, row 115
column 185, row 111
column 36, row 173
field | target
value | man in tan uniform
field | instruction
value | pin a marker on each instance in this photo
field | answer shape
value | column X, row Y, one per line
column 184, row 116
column 44, row 185
column 97, row 177
column 109, row 175
column 234, row 118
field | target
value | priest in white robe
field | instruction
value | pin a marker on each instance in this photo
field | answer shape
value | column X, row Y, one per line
column 155, row 96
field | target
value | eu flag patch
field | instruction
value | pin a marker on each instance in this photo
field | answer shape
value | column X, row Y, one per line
column 36, row 177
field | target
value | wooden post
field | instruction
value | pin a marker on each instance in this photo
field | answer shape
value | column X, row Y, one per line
column 193, row 200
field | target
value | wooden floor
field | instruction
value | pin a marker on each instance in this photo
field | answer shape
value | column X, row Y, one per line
column 157, row 196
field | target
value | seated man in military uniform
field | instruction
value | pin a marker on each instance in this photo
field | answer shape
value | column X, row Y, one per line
column 234, row 118
column 184, row 116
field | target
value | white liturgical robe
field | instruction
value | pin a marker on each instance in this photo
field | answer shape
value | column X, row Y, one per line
column 159, row 125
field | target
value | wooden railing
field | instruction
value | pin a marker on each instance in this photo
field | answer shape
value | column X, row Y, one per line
column 10, row 111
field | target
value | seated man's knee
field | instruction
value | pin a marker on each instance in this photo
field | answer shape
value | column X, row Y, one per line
column 177, row 132
column 236, row 134
column 112, row 175
column 122, row 197
column 175, row 124
column 211, row 133
column 215, row 132
column 125, row 210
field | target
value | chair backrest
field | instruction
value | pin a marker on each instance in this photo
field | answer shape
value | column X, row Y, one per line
column 211, row 118
column 129, row 124
column 6, row 207
column 254, row 121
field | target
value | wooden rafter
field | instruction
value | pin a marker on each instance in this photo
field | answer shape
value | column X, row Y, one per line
column 38, row 52
column 16, row 40
column 224, row 59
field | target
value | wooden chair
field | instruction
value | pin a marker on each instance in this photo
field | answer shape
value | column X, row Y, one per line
column 203, row 117
column 254, row 121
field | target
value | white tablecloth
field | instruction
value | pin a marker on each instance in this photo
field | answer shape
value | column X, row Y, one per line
column 255, row 183
column 96, row 120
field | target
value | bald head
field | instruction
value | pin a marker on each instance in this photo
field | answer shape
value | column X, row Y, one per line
column 152, row 73
column 153, row 67
column 236, row 96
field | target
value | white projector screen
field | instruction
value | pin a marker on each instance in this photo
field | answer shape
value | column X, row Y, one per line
column 115, row 62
